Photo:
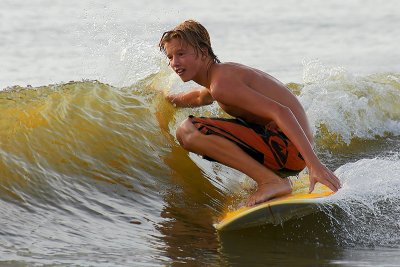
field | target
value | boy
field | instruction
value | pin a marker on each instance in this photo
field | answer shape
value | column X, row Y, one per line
column 269, row 134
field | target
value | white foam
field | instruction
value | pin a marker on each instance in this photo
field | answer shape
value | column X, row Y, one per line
column 351, row 106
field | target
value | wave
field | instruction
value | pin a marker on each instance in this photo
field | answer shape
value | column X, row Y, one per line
column 84, row 157
column 105, row 130
column 343, row 107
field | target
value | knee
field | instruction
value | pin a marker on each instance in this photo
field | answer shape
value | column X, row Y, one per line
column 187, row 134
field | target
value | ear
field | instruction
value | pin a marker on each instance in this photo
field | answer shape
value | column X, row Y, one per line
column 204, row 53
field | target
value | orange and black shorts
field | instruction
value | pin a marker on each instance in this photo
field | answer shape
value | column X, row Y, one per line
column 266, row 144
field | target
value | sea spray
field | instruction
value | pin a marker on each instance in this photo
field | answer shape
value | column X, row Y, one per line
column 117, row 54
column 365, row 210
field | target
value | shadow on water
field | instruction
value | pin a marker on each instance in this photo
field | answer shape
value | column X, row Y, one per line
column 307, row 241
column 190, row 204
column 188, row 213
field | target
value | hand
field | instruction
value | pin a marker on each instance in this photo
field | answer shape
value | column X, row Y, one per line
column 323, row 175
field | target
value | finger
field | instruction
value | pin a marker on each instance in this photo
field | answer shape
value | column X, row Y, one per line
column 312, row 185
column 330, row 185
column 334, row 180
column 337, row 184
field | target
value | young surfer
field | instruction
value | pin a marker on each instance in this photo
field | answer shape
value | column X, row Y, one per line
column 269, row 132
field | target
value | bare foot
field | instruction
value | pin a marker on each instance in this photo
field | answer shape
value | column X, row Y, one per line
column 270, row 190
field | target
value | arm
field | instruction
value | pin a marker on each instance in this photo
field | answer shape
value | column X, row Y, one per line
column 194, row 98
column 246, row 99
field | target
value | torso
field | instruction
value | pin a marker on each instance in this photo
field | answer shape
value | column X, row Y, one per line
column 266, row 85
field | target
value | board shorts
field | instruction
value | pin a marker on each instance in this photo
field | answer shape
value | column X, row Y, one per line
column 266, row 144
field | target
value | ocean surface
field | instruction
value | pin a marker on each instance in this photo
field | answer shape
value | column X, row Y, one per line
column 92, row 175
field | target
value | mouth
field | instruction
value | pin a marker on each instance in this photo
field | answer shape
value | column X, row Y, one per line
column 179, row 71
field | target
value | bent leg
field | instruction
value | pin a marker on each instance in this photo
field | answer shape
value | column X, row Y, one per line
column 226, row 152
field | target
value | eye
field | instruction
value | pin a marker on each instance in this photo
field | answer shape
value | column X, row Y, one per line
column 169, row 60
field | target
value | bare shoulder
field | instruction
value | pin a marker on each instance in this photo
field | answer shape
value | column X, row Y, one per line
column 228, row 81
column 227, row 74
column 235, row 71
column 232, row 68
column 237, row 74
column 233, row 79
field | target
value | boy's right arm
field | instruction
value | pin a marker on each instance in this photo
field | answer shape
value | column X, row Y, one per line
column 194, row 98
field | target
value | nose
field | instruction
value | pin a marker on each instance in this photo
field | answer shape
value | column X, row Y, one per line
column 174, row 62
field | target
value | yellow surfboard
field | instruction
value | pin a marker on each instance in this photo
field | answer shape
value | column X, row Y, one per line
column 276, row 211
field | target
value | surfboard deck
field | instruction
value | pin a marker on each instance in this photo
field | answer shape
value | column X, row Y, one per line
column 276, row 211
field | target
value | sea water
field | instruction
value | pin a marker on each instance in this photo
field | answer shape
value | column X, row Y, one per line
column 92, row 175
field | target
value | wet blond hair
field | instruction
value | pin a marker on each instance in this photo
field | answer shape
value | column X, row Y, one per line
column 193, row 33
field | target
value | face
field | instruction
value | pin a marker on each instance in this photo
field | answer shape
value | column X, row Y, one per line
column 183, row 59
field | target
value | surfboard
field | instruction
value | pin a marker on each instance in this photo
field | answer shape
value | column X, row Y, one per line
column 276, row 211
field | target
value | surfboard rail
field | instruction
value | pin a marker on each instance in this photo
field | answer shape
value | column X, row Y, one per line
column 275, row 211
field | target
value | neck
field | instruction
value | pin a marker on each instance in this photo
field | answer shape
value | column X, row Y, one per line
column 204, row 77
